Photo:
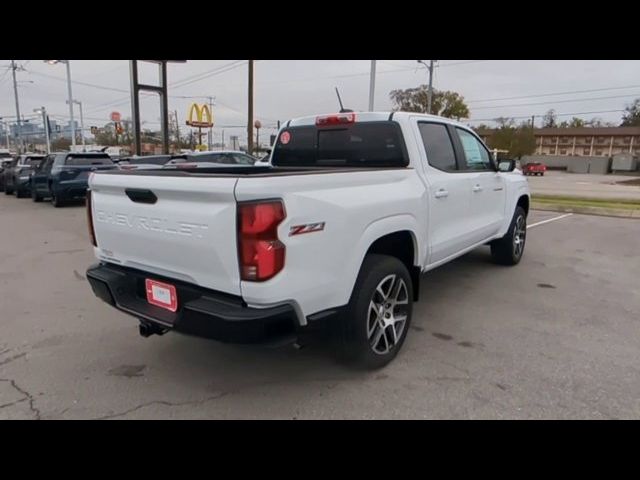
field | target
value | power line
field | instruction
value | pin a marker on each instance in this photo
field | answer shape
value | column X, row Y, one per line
column 207, row 74
column 556, row 114
column 553, row 94
column 557, row 101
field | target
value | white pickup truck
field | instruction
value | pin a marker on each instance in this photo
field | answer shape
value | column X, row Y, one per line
column 354, row 207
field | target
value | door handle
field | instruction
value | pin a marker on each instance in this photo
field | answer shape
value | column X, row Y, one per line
column 442, row 193
column 477, row 189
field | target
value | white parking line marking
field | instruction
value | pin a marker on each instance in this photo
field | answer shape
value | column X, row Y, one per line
column 549, row 220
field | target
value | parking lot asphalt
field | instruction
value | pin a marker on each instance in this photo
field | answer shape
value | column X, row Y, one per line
column 557, row 336
column 584, row 185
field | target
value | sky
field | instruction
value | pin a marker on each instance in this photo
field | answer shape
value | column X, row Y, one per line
column 286, row 89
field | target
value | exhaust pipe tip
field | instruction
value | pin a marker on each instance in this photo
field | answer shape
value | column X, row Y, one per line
column 146, row 330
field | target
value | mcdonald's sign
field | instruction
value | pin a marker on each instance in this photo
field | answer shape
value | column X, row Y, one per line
column 200, row 116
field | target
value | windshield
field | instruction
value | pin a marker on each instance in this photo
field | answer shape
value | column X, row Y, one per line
column 81, row 160
column 33, row 161
column 367, row 144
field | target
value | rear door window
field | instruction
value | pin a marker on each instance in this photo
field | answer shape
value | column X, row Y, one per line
column 438, row 146
column 366, row 144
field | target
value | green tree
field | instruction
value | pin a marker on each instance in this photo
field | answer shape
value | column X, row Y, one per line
column 576, row 122
column 550, row 119
column 632, row 116
column 444, row 103
column 517, row 140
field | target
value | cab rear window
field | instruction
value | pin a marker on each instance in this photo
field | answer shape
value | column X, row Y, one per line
column 366, row 144
column 79, row 160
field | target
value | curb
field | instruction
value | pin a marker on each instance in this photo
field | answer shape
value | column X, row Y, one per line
column 605, row 212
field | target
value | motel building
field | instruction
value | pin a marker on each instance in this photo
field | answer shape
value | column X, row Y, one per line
column 584, row 141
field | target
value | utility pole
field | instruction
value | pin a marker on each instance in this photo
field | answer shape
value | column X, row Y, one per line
column 430, row 95
column 19, row 140
column 223, row 139
column 533, row 120
column 250, row 121
column 372, row 85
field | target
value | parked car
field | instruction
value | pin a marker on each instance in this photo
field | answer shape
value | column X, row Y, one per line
column 534, row 168
column 63, row 176
column 356, row 206
column 17, row 174
column 210, row 159
column 5, row 157
column 148, row 162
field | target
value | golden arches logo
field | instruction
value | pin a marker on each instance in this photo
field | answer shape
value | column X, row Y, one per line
column 203, row 116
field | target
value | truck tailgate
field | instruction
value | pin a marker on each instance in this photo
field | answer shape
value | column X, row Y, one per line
column 182, row 228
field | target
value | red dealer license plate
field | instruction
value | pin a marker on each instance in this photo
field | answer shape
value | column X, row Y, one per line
column 162, row 295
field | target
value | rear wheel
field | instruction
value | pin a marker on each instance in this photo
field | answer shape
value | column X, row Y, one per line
column 8, row 190
column 56, row 201
column 34, row 195
column 509, row 249
column 378, row 316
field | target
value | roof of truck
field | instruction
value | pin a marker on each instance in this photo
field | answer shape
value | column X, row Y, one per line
column 372, row 117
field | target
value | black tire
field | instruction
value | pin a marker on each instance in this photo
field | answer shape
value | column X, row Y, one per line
column 56, row 201
column 509, row 249
column 18, row 193
column 34, row 195
column 8, row 190
column 357, row 346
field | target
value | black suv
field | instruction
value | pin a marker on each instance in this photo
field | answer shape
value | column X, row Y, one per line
column 17, row 174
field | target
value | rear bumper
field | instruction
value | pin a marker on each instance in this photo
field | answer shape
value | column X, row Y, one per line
column 201, row 312
column 23, row 184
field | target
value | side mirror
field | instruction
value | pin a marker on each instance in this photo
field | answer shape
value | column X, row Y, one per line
column 507, row 166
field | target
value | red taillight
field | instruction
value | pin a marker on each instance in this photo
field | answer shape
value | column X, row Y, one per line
column 92, row 233
column 127, row 167
column 186, row 165
column 338, row 119
column 260, row 251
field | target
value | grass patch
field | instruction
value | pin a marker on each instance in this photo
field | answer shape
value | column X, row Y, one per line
column 565, row 201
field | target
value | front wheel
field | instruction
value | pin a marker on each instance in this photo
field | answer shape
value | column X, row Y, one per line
column 378, row 316
column 509, row 249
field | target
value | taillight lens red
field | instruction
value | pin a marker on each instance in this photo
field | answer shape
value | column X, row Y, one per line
column 92, row 233
column 260, row 251
column 338, row 119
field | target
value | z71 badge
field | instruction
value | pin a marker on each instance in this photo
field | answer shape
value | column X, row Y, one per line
column 307, row 228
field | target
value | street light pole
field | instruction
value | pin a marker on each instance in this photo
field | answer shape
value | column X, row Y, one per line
column 250, row 113
column 73, row 126
column 79, row 103
column 46, row 126
column 6, row 130
column 70, row 100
